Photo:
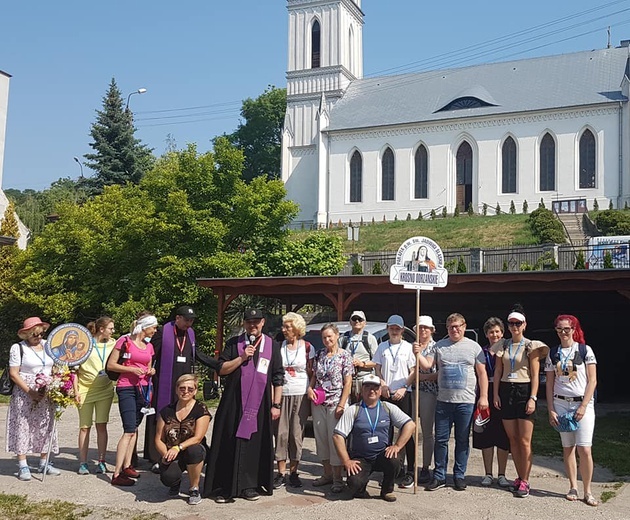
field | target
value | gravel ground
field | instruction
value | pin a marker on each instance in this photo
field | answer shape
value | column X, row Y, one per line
column 149, row 499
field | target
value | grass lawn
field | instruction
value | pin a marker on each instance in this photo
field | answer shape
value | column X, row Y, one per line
column 19, row 506
column 449, row 233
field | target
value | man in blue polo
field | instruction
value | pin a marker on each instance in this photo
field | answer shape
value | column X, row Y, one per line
column 369, row 425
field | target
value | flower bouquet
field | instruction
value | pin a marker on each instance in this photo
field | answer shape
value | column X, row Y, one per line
column 58, row 387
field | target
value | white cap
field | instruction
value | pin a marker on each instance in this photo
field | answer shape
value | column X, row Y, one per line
column 425, row 321
column 359, row 314
column 371, row 379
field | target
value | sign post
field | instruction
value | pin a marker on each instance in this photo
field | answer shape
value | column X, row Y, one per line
column 420, row 266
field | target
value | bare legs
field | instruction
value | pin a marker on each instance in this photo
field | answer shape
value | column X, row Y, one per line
column 101, row 441
column 520, row 432
column 124, row 451
column 586, row 466
column 488, row 456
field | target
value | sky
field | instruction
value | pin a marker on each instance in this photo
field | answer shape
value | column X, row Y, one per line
column 198, row 59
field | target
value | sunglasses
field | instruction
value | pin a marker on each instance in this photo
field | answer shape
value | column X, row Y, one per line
column 38, row 335
column 514, row 323
column 563, row 330
column 185, row 389
column 356, row 318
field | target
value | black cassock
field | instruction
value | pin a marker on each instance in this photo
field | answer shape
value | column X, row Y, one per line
column 238, row 464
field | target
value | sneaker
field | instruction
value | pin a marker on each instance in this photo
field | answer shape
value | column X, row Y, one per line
column 122, row 480
column 337, row 487
column 515, row 485
column 523, row 489
column 407, row 481
column 488, row 480
column 83, row 469
column 194, row 497
column 220, row 499
column 435, row 484
column 173, row 491
column 48, row 469
column 388, row 497
column 279, row 481
column 294, row 481
column 130, row 472
column 425, row 476
column 503, row 482
column 156, row 468
column 250, row 494
column 459, row 484
column 101, row 468
column 24, row 473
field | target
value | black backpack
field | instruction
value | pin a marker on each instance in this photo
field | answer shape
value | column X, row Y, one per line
column 554, row 356
column 345, row 340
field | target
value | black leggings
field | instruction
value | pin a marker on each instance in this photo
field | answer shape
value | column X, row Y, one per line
column 171, row 473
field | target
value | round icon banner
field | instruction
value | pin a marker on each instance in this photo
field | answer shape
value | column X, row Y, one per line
column 70, row 344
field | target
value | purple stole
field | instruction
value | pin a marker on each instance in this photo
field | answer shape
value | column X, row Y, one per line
column 253, row 384
column 165, row 377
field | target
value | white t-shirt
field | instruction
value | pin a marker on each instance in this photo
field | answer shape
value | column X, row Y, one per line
column 396, row 361
column 570, row 378
column 33, row 362
column 294, row 363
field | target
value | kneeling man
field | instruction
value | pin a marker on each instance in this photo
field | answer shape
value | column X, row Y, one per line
column 368, row 424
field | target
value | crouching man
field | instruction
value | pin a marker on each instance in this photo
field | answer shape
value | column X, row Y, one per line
column 368, row 425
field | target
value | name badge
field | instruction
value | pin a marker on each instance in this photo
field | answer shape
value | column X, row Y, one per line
column 263, row 366
column 372, row 440
column 512, row 375
column 147, row 411
column 181, row 359
column 394, row 367
column 563, row 379
column 127, row 355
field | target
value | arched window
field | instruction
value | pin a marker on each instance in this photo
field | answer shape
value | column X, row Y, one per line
column 508, row 172
column 587, row 160
column 387, row 166
column 422, row 173
column 350, row 50
column 356, row 177
column 315, row 45
column 547, row 164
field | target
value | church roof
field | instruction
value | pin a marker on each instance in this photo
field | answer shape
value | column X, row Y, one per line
column 567, row 80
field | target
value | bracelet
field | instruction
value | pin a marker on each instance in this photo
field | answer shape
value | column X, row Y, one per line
column 277, row 406
column 178, row 446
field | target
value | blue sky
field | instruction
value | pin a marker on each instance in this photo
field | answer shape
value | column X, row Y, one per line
column 213, row 54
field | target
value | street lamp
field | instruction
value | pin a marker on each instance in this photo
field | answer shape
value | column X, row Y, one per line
column 139, row 91
column 76, row 159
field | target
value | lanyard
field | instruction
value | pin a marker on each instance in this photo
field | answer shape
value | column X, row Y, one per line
column 183, row 344
column 394, row 358
column 100, row 356
column 374, row 424
column 329, row 361
column 42, row 359
column 513, row 357
column 286, row 353
column 564, row 362
column 145, row 391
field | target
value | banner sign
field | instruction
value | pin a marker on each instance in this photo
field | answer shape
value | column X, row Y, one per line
column 69, row 344
column 419, row 265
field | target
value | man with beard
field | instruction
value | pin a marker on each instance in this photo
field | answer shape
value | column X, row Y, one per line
column 241, row 459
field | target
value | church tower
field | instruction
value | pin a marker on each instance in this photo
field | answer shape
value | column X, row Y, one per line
column 325, row 54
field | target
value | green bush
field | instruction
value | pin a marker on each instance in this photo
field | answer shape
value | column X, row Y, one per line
column 613, row 222
column 608, row 263
column 512, row 208
column 525, row 207
column 471, row 211
column 456, row 212
column 357, row 268
column 444, row 213
column 497, row 210
column 377, row 268
column 546, row 227
column 420, row 217
column 580, row 262
column 461, row 266
column 484, row 210
column 595, row 205
column 433, row 215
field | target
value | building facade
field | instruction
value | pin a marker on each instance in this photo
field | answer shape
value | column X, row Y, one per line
column 355, row 149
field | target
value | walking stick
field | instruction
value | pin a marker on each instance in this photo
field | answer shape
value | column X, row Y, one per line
column 50, row 443
column 417, row 399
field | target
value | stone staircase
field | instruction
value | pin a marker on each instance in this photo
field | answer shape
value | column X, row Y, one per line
column 573, row 228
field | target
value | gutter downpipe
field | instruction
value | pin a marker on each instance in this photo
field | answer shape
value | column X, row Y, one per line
column 620, row 195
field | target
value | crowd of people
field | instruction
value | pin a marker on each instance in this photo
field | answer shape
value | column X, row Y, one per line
column 361, row 395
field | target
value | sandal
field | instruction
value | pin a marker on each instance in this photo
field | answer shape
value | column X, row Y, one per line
column 589, row 500
column 572, row 495
column 324, row 480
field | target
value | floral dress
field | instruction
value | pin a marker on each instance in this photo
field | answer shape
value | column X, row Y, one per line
column 30, row 424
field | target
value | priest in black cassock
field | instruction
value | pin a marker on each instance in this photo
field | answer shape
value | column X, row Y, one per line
column 241, row 458
column 175, row 355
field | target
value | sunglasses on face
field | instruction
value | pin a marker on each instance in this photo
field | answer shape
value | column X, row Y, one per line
column 356, row 318
column 514, row 323
column 184, row 389
column 37, row 335
column 563, row 330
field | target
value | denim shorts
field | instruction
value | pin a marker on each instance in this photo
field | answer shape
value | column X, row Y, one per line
column 130, row 402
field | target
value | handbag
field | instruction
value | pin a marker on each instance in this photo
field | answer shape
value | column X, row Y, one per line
column 567, row 423
column 113, row 376
column 6, row 383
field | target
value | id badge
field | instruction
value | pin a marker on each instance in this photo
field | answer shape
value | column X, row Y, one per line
column 563, row 379
column 512, row 375
column 147, row 411
column 127, row 355
column 181, row 359
column 394, row 367
column 372, row 440
column 263, row 366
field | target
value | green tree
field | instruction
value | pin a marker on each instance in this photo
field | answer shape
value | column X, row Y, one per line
column 456, row 212
column 512, row 208
column 525, row 207
column 595, row 205
column 432, row 215
column 444, row 212
column 546, row 227
column 608, row 261
column 260, row 135
column 118, row 156
column 356, row 268
column 484, row 209
column 377, row 268
column 580, row 262
column 461, row 266
column 471, row 211
column 8, row 256
column 497, row 210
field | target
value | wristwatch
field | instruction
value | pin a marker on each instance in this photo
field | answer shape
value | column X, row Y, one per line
column 533, row 397
column 277, row 406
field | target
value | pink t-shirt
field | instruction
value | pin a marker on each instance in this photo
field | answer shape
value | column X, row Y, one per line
column 135, row 357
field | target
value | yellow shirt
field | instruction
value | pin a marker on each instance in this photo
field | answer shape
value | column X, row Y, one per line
column 94, row 385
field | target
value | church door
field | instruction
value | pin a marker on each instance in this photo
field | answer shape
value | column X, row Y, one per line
column 464, row 177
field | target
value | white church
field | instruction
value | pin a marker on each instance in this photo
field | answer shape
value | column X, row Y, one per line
column 554, row 127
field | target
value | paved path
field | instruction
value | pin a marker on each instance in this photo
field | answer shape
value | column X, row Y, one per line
column 149, row 496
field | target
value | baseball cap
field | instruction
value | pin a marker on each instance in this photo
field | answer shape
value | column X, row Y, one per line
column 358, row 314
column 481, row 419
column 371, row 379
column 253, row 314
column 395, row 319
column 186, row 311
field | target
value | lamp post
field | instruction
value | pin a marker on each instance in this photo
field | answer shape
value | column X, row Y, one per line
column 139, row 91
column 76, row 159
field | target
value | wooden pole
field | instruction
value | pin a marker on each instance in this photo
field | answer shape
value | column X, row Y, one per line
column 417, row 398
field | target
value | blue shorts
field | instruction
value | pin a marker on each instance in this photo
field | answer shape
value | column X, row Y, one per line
column 130, row 402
